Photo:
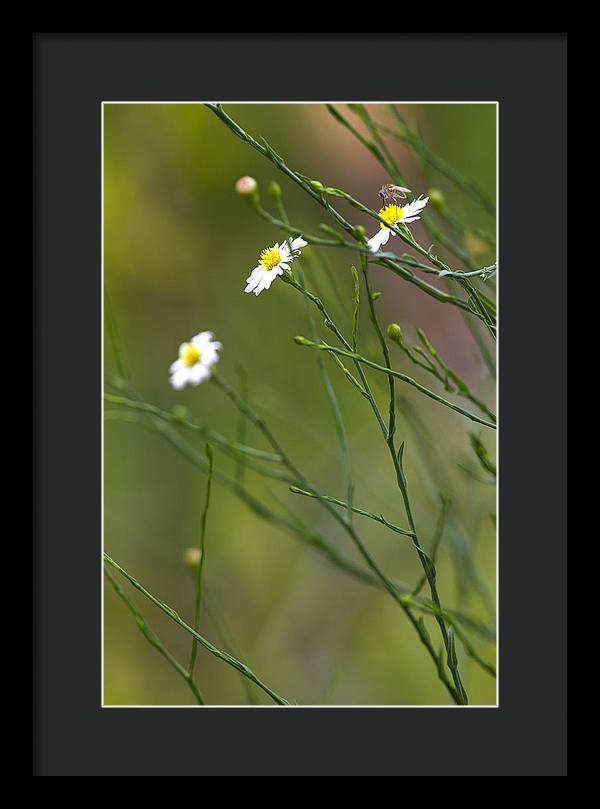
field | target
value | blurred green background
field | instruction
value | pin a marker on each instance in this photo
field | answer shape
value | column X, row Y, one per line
column 178, row 245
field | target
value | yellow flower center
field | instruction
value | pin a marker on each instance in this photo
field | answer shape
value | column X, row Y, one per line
column 270, row 258
column 391, row 213
column 189, row 354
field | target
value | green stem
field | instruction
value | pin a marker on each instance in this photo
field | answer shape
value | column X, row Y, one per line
column 468, row 186
column 386, row 259
column 383, row 155
column 364, row 361
column 377, row 518
column 442, row 372
column 366, row 389
column 227, row 640
column 479, row 304
column 332, row 398
column 435, row 543
column 153, row 638
column 426, row 562
column 319, row 193
column 386, row 354
column 224, row 656
column 313, row 539
column 198, row 593
column 234, row 447
column 348, row 527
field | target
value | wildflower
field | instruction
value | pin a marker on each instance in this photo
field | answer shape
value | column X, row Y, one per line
column 195, row 360
column 394, row 215
column 273, row 261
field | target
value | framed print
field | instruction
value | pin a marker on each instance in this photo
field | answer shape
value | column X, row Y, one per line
column 295, row 434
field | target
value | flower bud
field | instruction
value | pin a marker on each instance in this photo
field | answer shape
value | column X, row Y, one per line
column 359, row 232
column 395, row 333
column 316, row 185
column 247, row 187
column 181, row 413
column 274, row 190
column 436, row 198
column 301, row 341
column 191, row 557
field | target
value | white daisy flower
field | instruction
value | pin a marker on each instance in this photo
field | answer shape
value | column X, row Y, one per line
column 195, row 360
column 273, row 261
column 394, row 215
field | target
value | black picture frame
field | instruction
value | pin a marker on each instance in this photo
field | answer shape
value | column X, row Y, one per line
column 73, row 74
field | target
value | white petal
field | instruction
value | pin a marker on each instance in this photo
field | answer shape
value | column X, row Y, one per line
column 269, row 279
column 202, row 339
column 253, row 274
column 208, row 349
column 260, row 286
column 175, row 366
column 198, row 373
column 180, row 378
column 254, row 280
column 298, row 243
column 381, row 237
column 410, row 211
column 386, row 235
column 266, row 281
column 209, row 356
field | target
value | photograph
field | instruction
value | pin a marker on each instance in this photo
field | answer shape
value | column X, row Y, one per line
column 299, row 404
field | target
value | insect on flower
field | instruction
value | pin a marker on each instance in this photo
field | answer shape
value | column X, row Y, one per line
column 392, row 193
column 395, row 215
column 273, row 261
column 195, row 360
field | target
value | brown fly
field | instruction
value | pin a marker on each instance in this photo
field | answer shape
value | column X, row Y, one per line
column 391, row 193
